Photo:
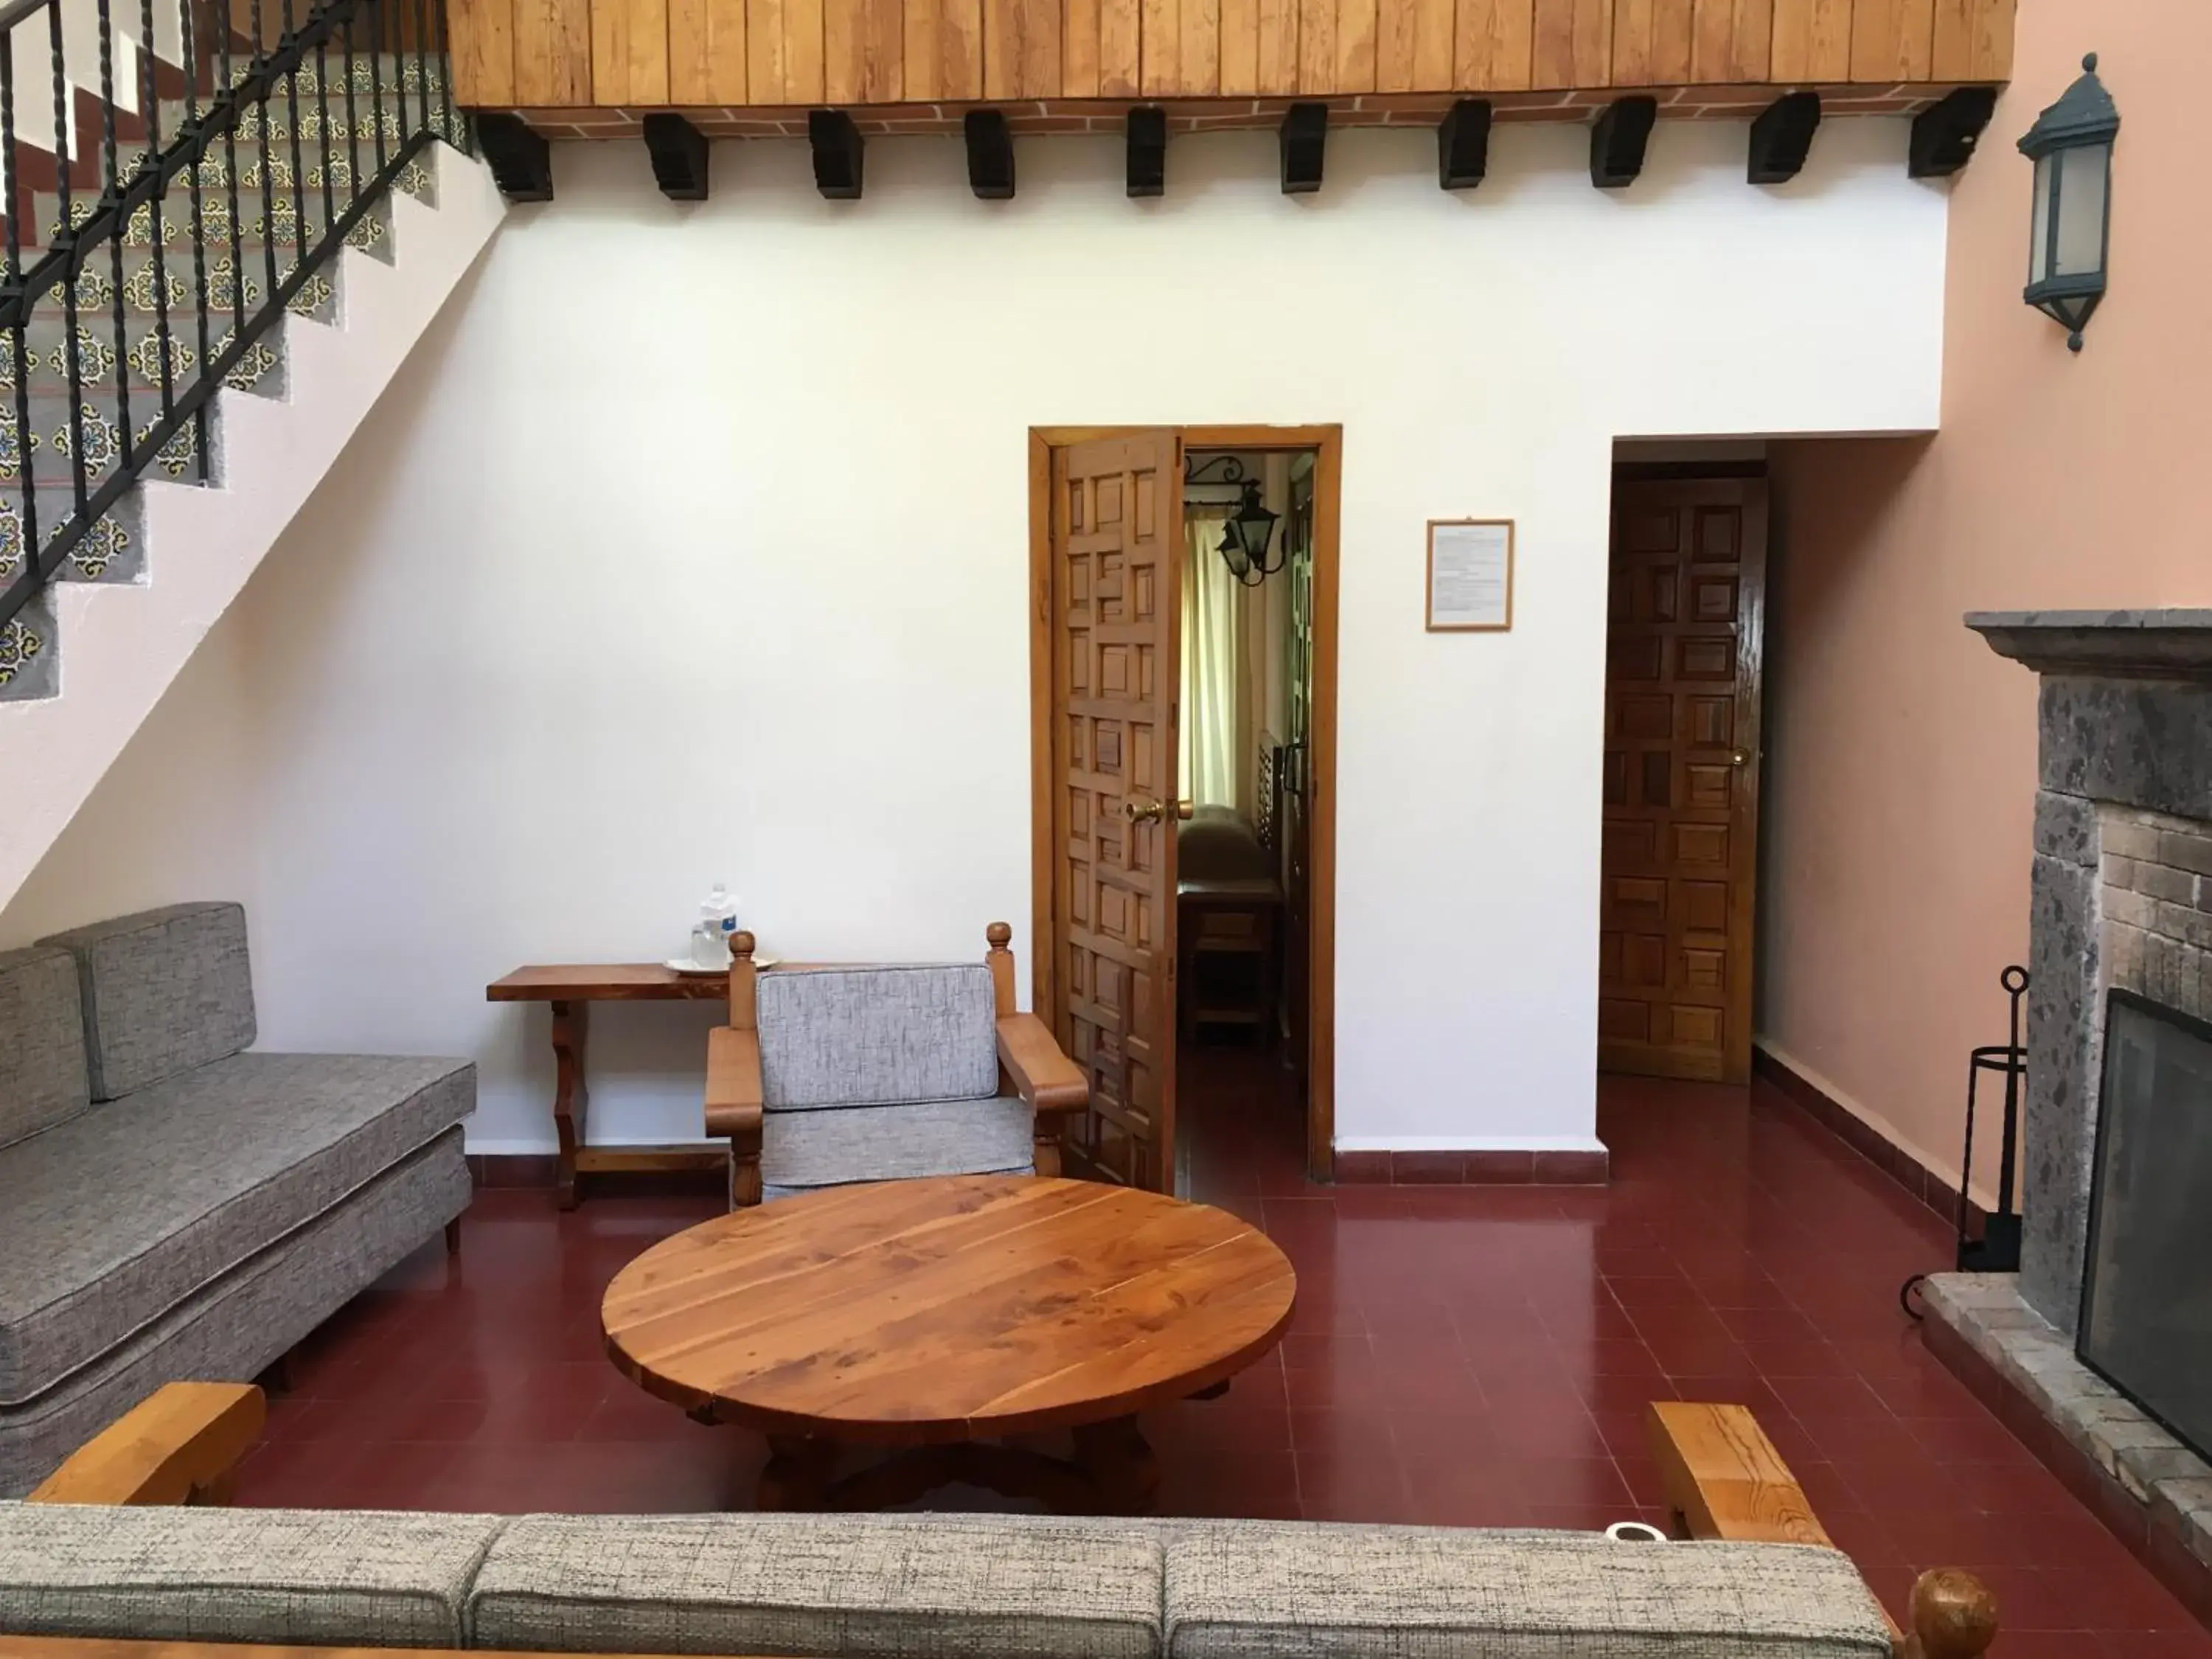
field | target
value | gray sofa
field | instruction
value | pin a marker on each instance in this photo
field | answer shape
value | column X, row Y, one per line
column 177, row 1207
column 983, row 1586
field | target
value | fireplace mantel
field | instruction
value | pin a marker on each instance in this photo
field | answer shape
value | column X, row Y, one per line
column 2147, row 645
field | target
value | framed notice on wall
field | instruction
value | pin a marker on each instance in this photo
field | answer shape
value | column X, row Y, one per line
column 1470, row 575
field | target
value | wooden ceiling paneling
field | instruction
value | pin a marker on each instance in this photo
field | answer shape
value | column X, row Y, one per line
column 1573, row 44
column 1972, row 41
column 705, row 52
column 1496, row 45
column 1812, row 41
column 1892, row 40
column 792, row 54
column 552, row 52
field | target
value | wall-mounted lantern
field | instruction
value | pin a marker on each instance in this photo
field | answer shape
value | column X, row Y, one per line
column 2071, row 145
column 1246, row 533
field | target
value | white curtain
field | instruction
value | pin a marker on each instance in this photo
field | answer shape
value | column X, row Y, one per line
column 1209, row 760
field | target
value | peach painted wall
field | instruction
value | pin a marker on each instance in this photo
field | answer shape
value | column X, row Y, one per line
column 1901, row 751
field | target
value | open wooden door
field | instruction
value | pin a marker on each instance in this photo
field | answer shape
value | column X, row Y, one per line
column 1116, row 590
column 1683, row 652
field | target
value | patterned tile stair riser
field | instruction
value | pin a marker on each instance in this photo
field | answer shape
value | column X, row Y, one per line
column 389, row 95
column 28, row 664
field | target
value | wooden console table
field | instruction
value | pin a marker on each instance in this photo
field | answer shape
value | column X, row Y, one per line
column 571, row 989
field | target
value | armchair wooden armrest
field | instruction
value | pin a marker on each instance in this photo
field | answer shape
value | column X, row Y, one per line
column 733, row 1106
column 1041, row 1075
column 1046, row 1079
column 179, row 1445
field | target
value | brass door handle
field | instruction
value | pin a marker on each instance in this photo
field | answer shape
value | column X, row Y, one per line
column 1148, row 811
column 1741, row 758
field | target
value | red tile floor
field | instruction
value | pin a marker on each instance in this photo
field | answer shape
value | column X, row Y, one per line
column 1466, row 1355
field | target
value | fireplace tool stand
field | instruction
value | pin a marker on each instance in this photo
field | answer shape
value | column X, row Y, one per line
column 1998, row 1250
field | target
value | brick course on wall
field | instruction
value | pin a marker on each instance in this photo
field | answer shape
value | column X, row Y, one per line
column 2155, row 875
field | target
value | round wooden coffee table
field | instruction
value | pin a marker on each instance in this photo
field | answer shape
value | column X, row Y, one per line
column 936, row 1316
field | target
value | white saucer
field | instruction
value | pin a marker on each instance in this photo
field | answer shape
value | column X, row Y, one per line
column 686, row 965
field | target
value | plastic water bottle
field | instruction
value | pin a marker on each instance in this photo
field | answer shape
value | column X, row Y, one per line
column 718, row 920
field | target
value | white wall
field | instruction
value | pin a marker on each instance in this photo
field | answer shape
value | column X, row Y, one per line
column 692, row 545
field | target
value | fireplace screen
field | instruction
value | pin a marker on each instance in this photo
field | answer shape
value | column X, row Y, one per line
column 2147, row 1295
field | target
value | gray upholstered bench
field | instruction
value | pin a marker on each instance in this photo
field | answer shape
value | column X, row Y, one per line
column 177, row 1205
column 885, row 1587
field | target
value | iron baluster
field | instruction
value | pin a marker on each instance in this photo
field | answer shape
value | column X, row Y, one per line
column 111, row 173
column 323, row 127
column 352, row 117
column 195, row 152
column 26, row 548
column 299, row 166
column 65, row 243
column 376, row 76
column 268, row 156
column 223, row 21
column 422, row 72
column 149, row 164
column 444, row 60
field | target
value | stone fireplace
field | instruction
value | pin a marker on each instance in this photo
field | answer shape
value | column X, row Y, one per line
column 2122, row 898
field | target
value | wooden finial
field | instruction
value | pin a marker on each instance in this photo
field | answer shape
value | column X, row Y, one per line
column 1955, row 1614
column 741, row 944
column 1001, row 963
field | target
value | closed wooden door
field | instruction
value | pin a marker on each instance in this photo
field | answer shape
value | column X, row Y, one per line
column 1116, row 538
column 1687, row 608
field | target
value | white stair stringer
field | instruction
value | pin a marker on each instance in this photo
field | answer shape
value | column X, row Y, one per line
column 125, row 642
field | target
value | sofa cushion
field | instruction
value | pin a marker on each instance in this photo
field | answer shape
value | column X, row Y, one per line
column 333, row 1577
column 818, row 1585
column 991, row 1136
column 164, row 991
column 43, row 1080
column 124, row 1212
column 1291, row 1592
column 867, row 1036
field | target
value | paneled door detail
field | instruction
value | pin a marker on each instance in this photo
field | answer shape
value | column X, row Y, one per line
column 1117, row 525
column 1685, row 614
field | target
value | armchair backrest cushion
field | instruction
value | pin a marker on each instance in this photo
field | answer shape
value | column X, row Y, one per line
column 164, row 991
column 877, row 1036
column 42, row 1073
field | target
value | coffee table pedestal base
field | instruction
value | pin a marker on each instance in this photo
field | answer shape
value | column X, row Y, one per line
column 1113, row 1472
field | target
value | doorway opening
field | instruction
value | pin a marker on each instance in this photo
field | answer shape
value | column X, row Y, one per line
column 1182, row 700
column 1685, row 646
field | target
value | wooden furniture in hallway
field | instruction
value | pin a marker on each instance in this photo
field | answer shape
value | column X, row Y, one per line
column 1228, row 907
column 1679, row 861
column 934, row 1317
column 570, row 989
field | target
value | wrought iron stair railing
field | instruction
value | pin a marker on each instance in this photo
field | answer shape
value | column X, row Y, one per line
column 153, row 248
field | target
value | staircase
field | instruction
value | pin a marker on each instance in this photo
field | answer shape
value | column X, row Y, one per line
column 201, row 302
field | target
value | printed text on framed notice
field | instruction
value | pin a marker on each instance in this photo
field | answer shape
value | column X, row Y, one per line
column 1470, row 575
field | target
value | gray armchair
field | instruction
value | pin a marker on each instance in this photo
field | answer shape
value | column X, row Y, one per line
column 831, row 1075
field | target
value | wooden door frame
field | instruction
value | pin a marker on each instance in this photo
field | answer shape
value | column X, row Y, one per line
column 1328, row 443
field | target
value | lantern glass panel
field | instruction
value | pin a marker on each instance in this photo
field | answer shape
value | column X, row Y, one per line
column 2081, row 185
column 2039, row 246
column 1232, row 550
